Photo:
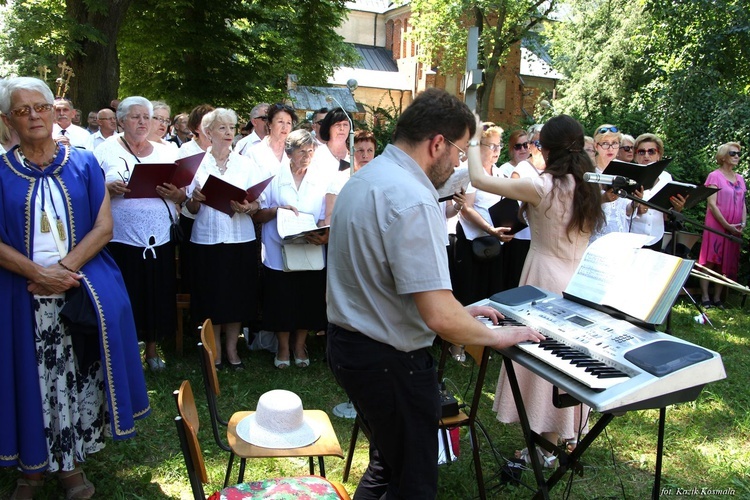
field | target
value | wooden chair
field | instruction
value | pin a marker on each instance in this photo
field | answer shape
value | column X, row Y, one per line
column 481, row 356
column 326, row 445
column 188, row 425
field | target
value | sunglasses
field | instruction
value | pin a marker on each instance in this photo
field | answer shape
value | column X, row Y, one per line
column 644, row 152
column 26, row 110
column 735, row 153
column 264, row 118
column 604, row 130
column 537, row 144
column 520, row 146
column 493, row 147
column 627, row 149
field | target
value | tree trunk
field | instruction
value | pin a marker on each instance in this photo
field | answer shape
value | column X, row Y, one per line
column 96, row 67
column 490, row 72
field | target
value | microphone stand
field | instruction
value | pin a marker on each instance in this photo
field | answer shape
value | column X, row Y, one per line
column 351, row 133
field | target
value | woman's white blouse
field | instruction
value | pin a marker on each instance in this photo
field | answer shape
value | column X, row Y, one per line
column 309, row 198
column 139, row 222
column 213, row 226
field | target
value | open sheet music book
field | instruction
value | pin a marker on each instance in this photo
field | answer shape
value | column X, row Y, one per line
column 615, row 272
column 692, row 194
column 643, row 175
column 457, row 182
column 293, row 228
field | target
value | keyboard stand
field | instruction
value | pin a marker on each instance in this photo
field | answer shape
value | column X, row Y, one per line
column 568, row 460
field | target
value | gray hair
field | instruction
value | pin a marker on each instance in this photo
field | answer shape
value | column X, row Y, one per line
column 161, row 105
column 124, row 108
column 533, row 130
column 7, row 87
column 297, row 139
column 221, row 115
column 255, row 112
column 627, row 137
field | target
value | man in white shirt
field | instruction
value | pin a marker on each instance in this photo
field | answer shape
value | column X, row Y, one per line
column 258, row 117
column 107, row 128
column 64, row 131
column 316, row 119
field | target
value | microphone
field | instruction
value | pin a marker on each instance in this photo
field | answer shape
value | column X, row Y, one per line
column 608, row 180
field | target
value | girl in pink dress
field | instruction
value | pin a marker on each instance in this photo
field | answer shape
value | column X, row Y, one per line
column 562, row 211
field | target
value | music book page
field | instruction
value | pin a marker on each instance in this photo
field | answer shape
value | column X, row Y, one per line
column 616, row 272
column 457, row 182
column 292, row 228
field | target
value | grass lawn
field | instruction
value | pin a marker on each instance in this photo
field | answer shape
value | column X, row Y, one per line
column 707, row 441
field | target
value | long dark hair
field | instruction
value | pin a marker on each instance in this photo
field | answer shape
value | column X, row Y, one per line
column 562, row 139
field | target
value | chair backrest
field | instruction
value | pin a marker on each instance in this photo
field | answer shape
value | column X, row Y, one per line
column 188, row 422
column 208, row 339
column 211, row 382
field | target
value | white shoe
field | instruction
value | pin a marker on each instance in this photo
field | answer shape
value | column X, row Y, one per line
column 156, row 364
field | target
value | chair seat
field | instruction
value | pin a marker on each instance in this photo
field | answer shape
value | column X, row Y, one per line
column 456, row 420
column 326, row 446
column 284, row 487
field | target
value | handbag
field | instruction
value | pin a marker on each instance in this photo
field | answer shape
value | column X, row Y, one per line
column 302, row 257
column 486, row 247
column 175, row 230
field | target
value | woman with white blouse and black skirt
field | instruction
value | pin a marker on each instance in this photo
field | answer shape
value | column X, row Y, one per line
column 141, row 243
column 224, row 246
column 293, row 302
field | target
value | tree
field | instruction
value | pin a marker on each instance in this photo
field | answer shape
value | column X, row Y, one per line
column 440, row 27
column 230, row 53
column 677, row 68
column 81, row 32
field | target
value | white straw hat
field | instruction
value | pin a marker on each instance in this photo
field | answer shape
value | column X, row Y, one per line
column 278, row 422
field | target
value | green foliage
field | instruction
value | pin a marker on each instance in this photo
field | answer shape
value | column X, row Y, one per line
column 386, row 116
column 679, row 69
column 228, row 53
column 440, row 27
column 34, row 36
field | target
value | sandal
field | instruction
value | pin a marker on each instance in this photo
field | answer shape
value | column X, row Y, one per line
column 76, row 489
column 548, row 462
column 281, row 363
column 719, row 305
column 30, row 485
column 302, row 362
column 707, row 304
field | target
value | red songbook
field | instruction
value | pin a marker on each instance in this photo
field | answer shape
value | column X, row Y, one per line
column 254, row 192
column 146, row 176
column 219, row 193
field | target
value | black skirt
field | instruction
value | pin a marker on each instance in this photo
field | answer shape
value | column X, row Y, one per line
column 225, row 284
column 294, row 301
column 152, row 287
column 475, row 279
column 514, row 256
